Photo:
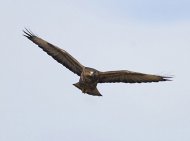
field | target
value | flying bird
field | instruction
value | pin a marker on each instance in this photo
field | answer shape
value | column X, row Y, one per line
column 90, row 77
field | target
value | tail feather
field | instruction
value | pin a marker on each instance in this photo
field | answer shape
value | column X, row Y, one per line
column 89, row 91
column 94, row 92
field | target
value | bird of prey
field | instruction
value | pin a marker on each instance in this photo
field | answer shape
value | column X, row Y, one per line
column 90, row 77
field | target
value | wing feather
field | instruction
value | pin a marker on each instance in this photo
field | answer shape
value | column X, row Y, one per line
column 57, row 53
column 129, row 77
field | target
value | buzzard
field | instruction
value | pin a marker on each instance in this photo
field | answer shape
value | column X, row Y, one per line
column 90, row 77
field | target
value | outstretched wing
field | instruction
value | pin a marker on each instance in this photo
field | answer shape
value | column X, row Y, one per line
column 57, row 53
column 129, row 77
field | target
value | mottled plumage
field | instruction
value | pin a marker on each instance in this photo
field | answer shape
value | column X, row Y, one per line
column 89, row 77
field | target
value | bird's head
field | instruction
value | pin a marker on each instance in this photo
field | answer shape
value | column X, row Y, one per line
column 91, row 73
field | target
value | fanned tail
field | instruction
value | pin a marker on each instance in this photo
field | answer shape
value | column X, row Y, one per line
column 89, row 91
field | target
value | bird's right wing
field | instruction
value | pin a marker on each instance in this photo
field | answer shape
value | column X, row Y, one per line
column 129, row 77
column 57, row 53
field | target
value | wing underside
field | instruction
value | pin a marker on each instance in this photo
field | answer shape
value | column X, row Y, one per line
column 129, row 77
column 57, row 53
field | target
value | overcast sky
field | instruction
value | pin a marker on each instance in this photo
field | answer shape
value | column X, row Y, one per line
column 37, row 99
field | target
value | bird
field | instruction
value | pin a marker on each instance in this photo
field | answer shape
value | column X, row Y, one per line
column 90, row 77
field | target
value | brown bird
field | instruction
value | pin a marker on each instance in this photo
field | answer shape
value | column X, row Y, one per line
column 89, row 77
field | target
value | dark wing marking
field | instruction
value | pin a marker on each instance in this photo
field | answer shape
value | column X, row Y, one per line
column 57, row 53
column 129, row 77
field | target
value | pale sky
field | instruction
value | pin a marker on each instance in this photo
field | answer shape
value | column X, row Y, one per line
column 37, row 99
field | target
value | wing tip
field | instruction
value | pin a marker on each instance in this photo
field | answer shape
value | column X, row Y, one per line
column 166, row 78
column 28, row 33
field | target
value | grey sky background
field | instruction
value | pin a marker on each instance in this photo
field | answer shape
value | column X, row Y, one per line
column 37, row 99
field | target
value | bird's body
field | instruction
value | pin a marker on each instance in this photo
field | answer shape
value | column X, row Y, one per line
column 89, row 77
column 88, row 81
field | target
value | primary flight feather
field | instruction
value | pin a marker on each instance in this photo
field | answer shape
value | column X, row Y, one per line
column 89, row 77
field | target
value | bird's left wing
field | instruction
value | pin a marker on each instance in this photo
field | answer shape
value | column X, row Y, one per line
column 57, row 53
column 129, row 77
